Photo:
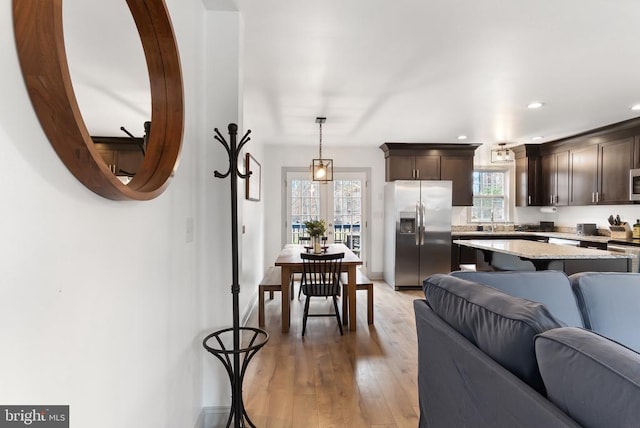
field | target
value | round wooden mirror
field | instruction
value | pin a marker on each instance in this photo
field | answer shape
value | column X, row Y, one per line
column 40, row 44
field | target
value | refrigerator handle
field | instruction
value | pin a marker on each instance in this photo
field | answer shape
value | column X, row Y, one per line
column 418, row 224
column 423, row 228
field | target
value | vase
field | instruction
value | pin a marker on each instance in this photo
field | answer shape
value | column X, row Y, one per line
column 316, row 244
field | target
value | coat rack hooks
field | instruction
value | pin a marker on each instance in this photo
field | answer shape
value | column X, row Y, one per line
column 232, row 152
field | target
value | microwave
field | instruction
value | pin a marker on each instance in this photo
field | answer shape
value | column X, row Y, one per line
column 634, row 184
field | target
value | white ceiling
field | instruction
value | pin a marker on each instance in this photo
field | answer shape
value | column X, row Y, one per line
column 395, row 70
column 430, row 70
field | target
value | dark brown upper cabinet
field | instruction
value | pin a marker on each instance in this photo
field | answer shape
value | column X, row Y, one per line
column 413, row 168
column 555, row 178
column 459, row 169
column 424, row 161
column 528, row 170
column 584, row 175
column 600, row 172
column 615, row 159
column 585, row 169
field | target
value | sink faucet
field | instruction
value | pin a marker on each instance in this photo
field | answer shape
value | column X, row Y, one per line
column 490, row 228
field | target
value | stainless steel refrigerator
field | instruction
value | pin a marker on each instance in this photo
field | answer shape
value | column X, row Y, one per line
column 417, row 231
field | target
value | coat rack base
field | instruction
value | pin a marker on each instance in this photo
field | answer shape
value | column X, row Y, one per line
column 216, row 342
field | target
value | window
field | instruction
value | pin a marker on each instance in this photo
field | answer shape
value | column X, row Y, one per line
column 489, row 196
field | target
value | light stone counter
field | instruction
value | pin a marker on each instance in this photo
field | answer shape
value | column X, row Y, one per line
column 534, row 250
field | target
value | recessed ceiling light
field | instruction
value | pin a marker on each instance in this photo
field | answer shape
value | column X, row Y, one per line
column 535, row 104
column 635, row 107
column 462, row 137
column 539, row 137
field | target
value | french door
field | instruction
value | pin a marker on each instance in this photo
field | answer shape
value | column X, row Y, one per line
column 339, row 202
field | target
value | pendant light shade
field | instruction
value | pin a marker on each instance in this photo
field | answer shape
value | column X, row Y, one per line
column 321, row 169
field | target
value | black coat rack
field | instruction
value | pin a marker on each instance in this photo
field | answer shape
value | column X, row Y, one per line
column 257, row 337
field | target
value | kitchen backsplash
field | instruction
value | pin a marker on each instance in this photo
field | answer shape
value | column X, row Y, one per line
column 514, row 227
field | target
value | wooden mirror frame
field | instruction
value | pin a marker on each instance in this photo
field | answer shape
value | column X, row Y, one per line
column 41, row 51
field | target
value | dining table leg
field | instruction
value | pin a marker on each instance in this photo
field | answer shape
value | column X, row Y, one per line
column 284, row 294
column 345, row 304
column 351, row 274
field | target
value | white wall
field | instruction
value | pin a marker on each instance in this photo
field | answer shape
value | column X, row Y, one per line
column 103, row 304
column 279, row 157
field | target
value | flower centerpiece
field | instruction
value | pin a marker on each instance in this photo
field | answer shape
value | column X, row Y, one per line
column 316, row 229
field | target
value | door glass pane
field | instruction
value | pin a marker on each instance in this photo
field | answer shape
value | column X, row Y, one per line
column 305, row 205
column 347, row 213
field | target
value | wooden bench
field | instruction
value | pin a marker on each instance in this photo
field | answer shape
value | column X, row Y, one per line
column 362, row 283
column 271, row 282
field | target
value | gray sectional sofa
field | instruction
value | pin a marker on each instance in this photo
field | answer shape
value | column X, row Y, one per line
column 518, row 357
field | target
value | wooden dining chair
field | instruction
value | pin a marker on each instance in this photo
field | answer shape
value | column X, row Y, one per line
column 306, row 241
column 321, row 278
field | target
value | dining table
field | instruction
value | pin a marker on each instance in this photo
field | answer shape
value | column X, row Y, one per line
column 290, row 262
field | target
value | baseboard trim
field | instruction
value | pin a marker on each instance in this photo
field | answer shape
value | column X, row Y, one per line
column 213, row 417
column 376, row 276
column 249, row 308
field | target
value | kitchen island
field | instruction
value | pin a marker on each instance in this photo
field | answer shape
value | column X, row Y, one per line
column 518, row 254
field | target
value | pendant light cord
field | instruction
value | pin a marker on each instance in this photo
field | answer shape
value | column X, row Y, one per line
column 320, row 151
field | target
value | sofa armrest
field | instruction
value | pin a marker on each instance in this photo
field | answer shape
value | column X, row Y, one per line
column 461, row 386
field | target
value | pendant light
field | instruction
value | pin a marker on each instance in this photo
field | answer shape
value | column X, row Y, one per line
column 502, row 154
column 321, row 169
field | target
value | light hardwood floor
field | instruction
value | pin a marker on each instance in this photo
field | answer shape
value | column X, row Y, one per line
column 366, row 378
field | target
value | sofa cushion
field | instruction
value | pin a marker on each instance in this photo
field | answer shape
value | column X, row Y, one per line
column 501, row 325
column 609, row 304
column 552, row 288
column 596, row 381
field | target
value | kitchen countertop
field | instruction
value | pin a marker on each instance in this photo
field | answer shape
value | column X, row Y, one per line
column 538, row 250
column 632, row 242
column 560, row 235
